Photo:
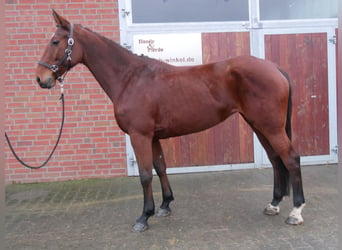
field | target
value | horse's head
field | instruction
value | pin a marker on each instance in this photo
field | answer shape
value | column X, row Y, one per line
column 61, row 54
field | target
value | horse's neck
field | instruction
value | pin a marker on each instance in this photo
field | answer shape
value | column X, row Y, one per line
column 107, row 61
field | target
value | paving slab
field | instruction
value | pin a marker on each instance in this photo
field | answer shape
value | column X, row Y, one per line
column 220, row 210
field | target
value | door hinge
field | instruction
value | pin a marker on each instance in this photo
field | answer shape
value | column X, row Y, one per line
column 335, row 150
column 333, row 40
column 125, row 13
column 132, row 161
column 127, row 46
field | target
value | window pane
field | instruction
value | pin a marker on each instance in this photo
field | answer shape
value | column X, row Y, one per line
column 297, row 9
column 166, row 11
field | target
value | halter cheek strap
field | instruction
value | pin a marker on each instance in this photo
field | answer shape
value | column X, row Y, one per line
column 67, row 56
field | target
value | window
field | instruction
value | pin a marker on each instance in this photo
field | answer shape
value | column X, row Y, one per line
column 298, row 9
column 169, row 11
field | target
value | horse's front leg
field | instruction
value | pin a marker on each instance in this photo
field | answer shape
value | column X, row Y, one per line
column 142, row 146
column 160, row 167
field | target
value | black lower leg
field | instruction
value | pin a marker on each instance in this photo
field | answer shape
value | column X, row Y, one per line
column 281, row 182
column 164, row 209
column 297, row 185
column 148, row 210
column 167, row 195
column 160, row 167
column 167, row 198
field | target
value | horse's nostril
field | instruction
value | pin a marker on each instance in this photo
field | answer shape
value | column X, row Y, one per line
column 38, row 79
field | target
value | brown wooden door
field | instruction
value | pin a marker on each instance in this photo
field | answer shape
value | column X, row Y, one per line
column 304, row 57
column 227, row 143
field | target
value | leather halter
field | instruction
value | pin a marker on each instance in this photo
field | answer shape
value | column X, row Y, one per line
column 67, row 56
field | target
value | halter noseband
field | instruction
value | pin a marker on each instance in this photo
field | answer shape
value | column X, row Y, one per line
column 67, row 56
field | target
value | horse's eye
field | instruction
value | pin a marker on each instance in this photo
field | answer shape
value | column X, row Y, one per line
column 55, row 42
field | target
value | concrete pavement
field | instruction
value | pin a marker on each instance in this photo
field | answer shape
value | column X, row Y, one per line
column 221, row 210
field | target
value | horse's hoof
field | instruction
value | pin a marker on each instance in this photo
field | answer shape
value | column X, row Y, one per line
column 294, row 220
column 271, row 210
column 163, row 212
column 295, row 217
column 139, row 227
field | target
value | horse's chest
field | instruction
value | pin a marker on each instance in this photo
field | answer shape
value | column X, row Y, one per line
column 135, row 113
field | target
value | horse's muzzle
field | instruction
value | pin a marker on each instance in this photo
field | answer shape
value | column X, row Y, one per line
column 47, row 84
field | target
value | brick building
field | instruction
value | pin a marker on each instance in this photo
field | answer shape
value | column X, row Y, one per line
column 91, row 145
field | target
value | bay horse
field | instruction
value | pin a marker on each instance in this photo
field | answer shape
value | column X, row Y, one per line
column 154, row 100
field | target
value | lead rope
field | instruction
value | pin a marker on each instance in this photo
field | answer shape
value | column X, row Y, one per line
column 54, row 148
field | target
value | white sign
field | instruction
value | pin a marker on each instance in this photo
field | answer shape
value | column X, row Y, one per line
column 175, row 49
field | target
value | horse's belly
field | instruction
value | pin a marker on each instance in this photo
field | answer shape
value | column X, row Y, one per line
column 186, row 121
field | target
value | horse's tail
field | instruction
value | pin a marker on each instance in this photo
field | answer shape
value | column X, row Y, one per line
column 288, row 126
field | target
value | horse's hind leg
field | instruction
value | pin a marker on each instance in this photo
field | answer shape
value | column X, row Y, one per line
column 281, row 177
column 281, row 144
column 160, row 167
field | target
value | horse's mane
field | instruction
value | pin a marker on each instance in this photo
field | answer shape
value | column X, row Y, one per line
column 108, row 40
column 115, row 44
column 98, row 34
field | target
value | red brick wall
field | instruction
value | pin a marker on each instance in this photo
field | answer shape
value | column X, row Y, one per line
column 92, row 144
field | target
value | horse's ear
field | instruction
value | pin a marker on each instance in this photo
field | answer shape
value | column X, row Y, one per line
column 60, row 21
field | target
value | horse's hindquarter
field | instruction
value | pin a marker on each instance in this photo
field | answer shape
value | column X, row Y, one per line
column 263, row 90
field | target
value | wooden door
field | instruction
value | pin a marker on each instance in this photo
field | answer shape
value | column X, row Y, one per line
column 304, row 57
column 230, row 142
